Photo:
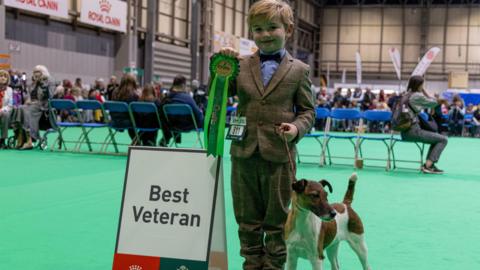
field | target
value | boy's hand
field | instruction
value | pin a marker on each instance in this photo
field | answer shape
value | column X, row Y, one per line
column 229, row 51
column 289, row 130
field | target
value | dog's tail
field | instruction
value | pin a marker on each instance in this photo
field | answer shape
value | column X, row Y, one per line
column 348, row 198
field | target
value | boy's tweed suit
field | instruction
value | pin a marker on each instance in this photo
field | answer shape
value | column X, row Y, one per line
column 261, row 174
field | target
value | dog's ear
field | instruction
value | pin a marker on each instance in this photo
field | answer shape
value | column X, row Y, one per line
column 325, row 183
column 299, row 186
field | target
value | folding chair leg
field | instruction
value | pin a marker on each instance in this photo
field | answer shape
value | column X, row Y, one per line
column 200, row 139
column 86, row 138
column 387, row 168
column 112, row 137
column 60, row 140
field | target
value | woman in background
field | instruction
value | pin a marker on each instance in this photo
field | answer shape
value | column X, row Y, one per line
column 419, row 100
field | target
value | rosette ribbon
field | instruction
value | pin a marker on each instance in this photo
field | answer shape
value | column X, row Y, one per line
column 223, row 69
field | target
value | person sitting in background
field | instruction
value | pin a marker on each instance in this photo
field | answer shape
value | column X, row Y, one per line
column 438, row 113
column 111, row 87
column 456, row 116
column 418, row 101
column 199, row 95
column 100, row 87
column 357, row 95
column 323, row 99
column 157, row 87
column 475, row 128
column 149, row 138
column 77, row 94
column 6, row 105
column 367, row 100
column 59, row 92
column 179, row 95
column 381, row 96
column 470, row 109
column 126, row 92
column 36, row 104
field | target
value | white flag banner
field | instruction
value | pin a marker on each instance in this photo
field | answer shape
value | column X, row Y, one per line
column 397, row 64
column 427, row 59
column 344, row 76
column 328, row 74
column 358, row 59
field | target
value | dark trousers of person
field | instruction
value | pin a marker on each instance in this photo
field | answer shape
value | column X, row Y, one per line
column 437, row 141
column 148, row 138
column 261, row 195
column 456, row 127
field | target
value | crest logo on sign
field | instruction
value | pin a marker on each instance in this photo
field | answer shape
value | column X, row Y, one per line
column 105, row 6
column 183, row 267
column 135, row 267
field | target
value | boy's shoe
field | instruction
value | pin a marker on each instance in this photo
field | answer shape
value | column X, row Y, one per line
column 430, row 170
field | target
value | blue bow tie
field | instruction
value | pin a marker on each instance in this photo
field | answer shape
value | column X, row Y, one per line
column 277, row 57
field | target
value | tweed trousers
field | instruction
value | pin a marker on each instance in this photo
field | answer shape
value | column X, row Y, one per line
column 261, row 192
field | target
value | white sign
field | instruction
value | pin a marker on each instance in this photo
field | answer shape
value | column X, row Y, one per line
column 167, row 209
column 395, row 56
column 358, row 60
column 426, row 61
column 110, row 14
column 58, row 8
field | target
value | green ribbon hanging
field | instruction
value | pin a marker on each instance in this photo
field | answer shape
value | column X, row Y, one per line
column 222, row 70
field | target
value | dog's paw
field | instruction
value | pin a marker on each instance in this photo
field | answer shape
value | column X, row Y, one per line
column 353, row 177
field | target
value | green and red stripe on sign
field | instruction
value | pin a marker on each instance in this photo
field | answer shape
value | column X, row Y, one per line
column 138, row 262
column 223, row 69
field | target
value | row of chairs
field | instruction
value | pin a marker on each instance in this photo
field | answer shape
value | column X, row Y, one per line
column 116, row 117
column 358, row 138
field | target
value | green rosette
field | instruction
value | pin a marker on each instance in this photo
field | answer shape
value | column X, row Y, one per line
column 223, row 69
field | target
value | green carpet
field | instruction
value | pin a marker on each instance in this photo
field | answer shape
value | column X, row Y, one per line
column 60, row 210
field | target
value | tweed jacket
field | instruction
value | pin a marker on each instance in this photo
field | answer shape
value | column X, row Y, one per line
column 287, row 98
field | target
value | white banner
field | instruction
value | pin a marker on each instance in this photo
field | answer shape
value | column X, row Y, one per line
column 344, row 75
column 110, row 14
column 358, row 60
column 57, row 8
column 397, row 62
column 328, row 75
column 426, row 61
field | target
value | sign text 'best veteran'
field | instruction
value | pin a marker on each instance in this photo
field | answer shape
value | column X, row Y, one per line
column 157, row 194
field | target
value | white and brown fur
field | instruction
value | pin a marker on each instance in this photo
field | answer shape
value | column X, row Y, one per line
column 313, row 225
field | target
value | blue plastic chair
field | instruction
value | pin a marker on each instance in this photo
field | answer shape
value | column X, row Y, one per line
column 56, row 106
column 181, row 110
column 380, row 116
column 320, row 114
column 90, row 107
column 340, row 114
column 139, row 111
column 467, row 123
column 119, row 120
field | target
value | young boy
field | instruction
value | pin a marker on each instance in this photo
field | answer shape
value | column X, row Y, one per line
column 275, row 98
